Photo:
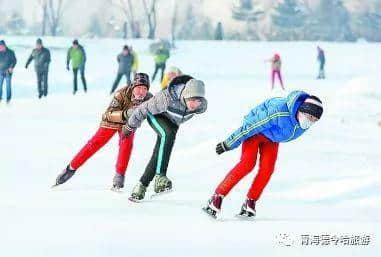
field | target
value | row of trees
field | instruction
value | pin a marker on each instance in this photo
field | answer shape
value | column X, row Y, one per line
column 289, row 20
column 297, row 20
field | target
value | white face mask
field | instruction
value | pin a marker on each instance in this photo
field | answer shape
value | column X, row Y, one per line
column 304, row 122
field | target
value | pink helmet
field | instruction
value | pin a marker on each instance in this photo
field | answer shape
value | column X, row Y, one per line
column 276, row 56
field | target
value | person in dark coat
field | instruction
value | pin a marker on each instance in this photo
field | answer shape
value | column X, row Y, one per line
column 7, row 63
column 125, row 60
column 321, row 60
column 41, row 57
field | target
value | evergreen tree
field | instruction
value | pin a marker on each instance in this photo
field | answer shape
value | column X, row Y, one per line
column 219, row 35
column 368, row 26
column 289, row 20
column 331, row 22
column 250, row 13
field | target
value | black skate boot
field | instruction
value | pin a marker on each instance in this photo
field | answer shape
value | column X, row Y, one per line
column 117, row 182
column 64, row 176
column 248, row 209
column 214, row 205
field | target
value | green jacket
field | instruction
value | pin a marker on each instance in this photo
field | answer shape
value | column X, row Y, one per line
column 77, row 57
column 161, row 56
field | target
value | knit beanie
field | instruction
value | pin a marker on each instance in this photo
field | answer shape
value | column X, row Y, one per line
column 312, row 105
column 194, row 88
column 141, row 79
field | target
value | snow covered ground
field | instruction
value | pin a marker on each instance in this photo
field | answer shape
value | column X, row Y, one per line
column 326, row 183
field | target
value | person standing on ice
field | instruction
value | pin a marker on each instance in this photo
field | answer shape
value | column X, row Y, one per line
column 275, row 121
column 172, row 73
column 7, row 64
column 77, row 55
column 166, row 111
column 321, row 60
column 125, row 61
column 161, row 57
column 276, row 66
column 41, row 57
column 120, row 109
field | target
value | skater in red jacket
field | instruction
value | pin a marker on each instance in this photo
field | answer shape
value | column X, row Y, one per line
column 275, row 121
column 116, row 115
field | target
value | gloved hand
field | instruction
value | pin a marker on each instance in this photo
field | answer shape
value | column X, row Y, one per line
column 220, row 148
column 127, row 130
column 67, row 67
column 26, row 66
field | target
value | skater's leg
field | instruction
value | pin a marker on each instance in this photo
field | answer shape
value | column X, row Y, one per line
column 8, row 81
column 100, row 138
column 75, row 80
column 158, row 164
column 149, row 172
column 39, row 84
column 116, row 82
column 125, row 149
column 246, row 164
column 280, row 78
column 155, row 72
column 128, row 77
column 272, row 79
column 1, row 85
column 82, row 70
column 162, row 72
column 268, row 152
column 45, row 83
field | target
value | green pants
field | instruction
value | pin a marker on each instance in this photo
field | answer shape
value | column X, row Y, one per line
column 166, row 134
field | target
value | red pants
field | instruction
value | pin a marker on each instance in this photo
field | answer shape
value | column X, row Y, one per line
column 268, row 154
column 100, row 138
column 273, row 73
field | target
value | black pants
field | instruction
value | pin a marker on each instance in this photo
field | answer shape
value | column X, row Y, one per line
column 160, row 66
column 166, row 135
column 75, row 83
column 42, row 83
column 118, row 78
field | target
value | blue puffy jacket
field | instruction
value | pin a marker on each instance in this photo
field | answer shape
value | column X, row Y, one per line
column 275, row 119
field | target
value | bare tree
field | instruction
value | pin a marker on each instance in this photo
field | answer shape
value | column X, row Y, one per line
column 128, row 11
column 151, row 18
column 52, row 11
column 174, row 23
column 44, row 6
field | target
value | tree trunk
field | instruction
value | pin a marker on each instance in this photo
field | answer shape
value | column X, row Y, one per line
column 44, row 18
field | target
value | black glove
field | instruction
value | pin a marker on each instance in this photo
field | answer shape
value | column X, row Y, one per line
column 26, row 66
column 127, row 130
column 220, row 148
column 67, row 67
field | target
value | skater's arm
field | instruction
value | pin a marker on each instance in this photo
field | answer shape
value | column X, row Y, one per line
column 259, row 119
column 29, row 60
column 157, row 104
column 13, row 60
column 83, row 55
column 68, row 57
column 114, row 112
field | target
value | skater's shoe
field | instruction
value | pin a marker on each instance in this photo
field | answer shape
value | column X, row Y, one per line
column 248, row 208
column 162, row 184
column 138, row 192
column 214, row 205
column 117, row 182
column 64, row 176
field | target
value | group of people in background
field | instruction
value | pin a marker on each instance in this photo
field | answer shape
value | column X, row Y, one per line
column 276, row 67
column 76, row 56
